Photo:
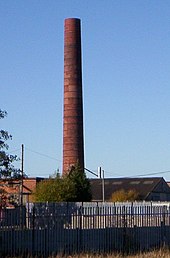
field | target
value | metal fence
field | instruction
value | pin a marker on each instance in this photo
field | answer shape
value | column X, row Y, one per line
column 46, row 229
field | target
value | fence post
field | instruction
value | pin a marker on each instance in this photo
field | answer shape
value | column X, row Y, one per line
column 163, row 235
column 80, row 230
column 33, row 231
column 124, row 230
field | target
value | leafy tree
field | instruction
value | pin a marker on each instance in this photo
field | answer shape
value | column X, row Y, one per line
column 46, row 190
column 51, row 190
column 7, row 169
column 122, row 196
column 72, row 187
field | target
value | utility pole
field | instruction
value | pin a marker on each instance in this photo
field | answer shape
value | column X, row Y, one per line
column 99, row 172
column 103, row 188
column 101, row 176
column 22, row 171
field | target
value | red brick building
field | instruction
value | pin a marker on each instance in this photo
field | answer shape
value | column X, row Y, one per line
column 12, row 190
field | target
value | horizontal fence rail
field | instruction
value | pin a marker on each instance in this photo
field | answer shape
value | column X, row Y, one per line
column 44, row 229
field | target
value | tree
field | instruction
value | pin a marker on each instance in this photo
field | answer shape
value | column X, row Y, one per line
column 72, row 187
column 81, row 184
column 7, row 169
column 122, row 195
column 3, row 198
column 49, row 190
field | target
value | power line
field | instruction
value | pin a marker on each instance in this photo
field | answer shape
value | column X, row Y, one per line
column 139, row 175
column 155, row 173
column 146, row 174
column 42, row 154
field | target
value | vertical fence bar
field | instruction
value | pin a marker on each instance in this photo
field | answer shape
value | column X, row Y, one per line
column 68, row 228
column 33, row 231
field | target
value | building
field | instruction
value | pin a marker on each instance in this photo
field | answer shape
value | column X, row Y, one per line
column 149, row 189
column 14, row 191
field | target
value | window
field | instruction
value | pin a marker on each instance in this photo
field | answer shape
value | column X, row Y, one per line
column 117, row 183
column 135, row 182
column 148, row 182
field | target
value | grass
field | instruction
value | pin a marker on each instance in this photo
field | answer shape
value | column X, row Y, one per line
column 153, row 254
column 162, row 253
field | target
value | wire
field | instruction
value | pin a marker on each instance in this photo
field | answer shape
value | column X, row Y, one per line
column 93, row 173
column 140, row 175
column 147, row 174
column 41, row 154
column 151, row 174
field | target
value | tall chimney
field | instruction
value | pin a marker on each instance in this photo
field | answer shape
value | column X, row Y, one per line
column 73, row 142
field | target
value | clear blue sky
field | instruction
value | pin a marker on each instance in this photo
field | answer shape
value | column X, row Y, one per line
column 126, row 83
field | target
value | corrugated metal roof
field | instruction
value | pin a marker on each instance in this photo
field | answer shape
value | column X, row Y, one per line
column 143, row 186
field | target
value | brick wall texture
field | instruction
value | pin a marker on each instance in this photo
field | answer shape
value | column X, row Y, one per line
column 73, row 142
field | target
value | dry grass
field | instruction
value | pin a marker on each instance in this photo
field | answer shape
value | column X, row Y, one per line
column 163, row 253
column 153, row 254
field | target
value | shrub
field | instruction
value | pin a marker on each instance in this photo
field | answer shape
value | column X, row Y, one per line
column 122, row 195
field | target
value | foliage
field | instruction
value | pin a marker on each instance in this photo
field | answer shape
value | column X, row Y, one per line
column 53, row 190
column 47, row 190
column 72, row 187
column 122, row 195
column 3, row 198
column 7, row 170
column 81, row 184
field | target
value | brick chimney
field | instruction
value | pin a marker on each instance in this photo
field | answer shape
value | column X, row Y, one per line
column 73, row 142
